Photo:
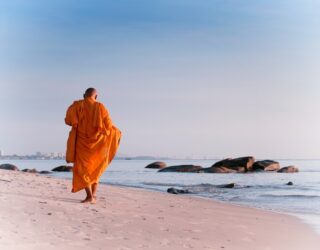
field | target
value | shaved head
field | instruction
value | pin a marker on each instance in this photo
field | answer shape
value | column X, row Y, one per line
column 90, row 92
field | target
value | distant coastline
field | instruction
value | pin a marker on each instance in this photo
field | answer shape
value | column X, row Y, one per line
column 31, row 157
column 53, row 156
column 59, row 156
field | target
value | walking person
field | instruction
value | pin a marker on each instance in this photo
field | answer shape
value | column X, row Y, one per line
column 92, row 143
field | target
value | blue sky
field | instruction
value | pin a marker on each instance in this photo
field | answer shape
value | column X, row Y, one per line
column 180, row 78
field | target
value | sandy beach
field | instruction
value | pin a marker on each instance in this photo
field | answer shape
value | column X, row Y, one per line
column 40, row 212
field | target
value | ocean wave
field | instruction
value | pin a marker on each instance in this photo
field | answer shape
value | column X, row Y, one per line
column 204, row 185
column 303, row 196
column 161, row 184
column 309, row 171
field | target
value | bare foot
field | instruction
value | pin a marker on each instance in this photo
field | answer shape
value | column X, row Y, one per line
column 91, row 200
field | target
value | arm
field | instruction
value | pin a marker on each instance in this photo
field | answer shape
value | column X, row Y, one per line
column 71, row 115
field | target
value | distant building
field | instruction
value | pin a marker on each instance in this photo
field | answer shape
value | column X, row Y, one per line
column 1, row 153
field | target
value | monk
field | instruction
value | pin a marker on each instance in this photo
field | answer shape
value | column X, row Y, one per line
column 92, row 143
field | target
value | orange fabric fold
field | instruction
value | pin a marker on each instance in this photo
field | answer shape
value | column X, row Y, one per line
column 96, row 143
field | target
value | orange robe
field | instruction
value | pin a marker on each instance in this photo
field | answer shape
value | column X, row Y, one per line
column 93, row 141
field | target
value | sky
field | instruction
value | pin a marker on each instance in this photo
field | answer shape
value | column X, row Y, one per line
column 181, row 78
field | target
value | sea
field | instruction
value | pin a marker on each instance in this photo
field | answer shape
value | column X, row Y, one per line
column 260, row 190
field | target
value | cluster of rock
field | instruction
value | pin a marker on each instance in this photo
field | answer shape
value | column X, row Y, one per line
column 27, row 170
column 236, row 165
column 157, row 165
column 9, row 167
column 62, row 168
column 173, row 190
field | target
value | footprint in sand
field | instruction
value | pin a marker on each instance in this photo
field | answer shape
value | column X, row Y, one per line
column 164, row 242
column 193, row 230
column 124, row 248
column 144, row 246
column 164, row 229
column 187, row 246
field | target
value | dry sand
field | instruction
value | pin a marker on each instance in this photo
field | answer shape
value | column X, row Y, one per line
column 39, row 212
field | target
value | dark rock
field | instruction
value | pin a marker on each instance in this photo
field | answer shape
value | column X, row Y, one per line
column 290, row 183
column 242, row 164
column 44, row 172
column 27, row 170
column 182, row 168
column 62, row 169
column 258, row 170
column 157, row 165
column 266, row 165
column 230, row 185
column 218, row 170
column 177, row 191
column 9, row 167
column 289, row 169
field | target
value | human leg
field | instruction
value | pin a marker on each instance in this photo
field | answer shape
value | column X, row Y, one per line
column 89, row 197
column 94, row 188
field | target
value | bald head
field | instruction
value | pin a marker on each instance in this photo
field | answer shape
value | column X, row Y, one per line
column 91, row 92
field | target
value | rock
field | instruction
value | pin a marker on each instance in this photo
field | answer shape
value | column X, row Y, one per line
column 218, row 170
column 62, row 169
column 44, row 172
column 177, row 191
column 266, row 165
column 182, row 168
column 289, row 169
column 230, row 185
column 157, row 165
column 9, row 167
column 242, row 164
column 258, row 170
column 27, row 170
column 290, row 183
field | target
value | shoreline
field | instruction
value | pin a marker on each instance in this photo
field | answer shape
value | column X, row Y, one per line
column 303, row 217
column 40, row 211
